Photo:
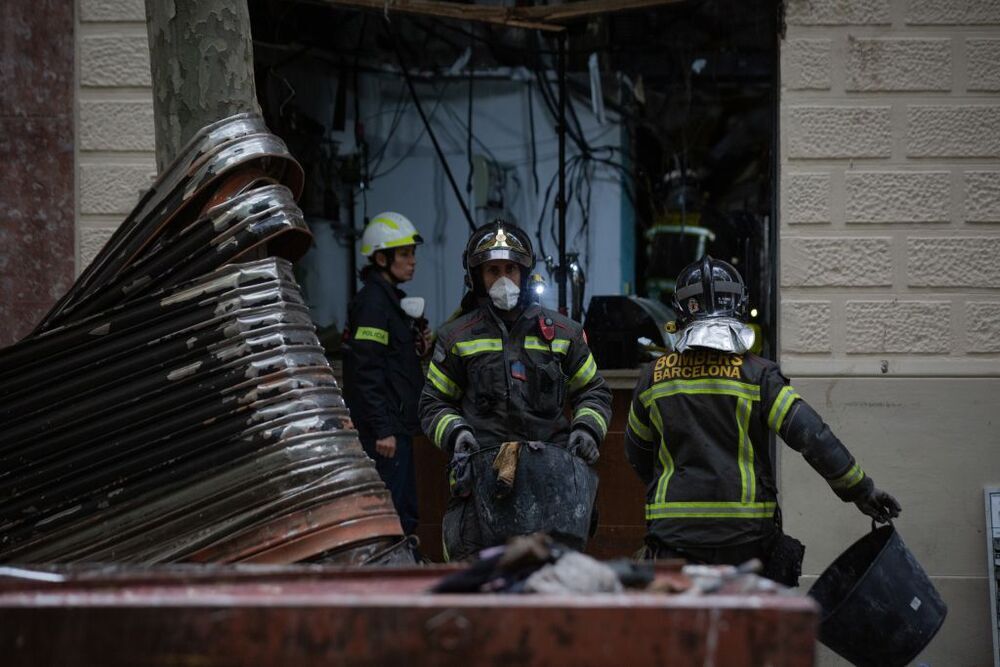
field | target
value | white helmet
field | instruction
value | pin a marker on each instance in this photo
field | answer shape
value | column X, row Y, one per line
column 388, row 230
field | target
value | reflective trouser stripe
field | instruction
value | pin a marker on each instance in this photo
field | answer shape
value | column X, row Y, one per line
column 596, row 416
column 710, row 510
column 638, row 427
column 442, row 425
column 373, row 334
column 442, row 382
column 851, row 478
column 779, row 409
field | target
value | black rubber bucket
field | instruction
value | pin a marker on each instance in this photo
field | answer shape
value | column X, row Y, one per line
column 879, row 607
column 553, row 492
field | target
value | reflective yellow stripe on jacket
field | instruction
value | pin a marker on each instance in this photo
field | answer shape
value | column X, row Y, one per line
column 779, row 409
column 558, row 345
column 710, row 510
column 596, row 416
column 442, row 425
column 849, row 479
column 442, row 382
column 583, row 375
column 468, row 348
column 745, row 394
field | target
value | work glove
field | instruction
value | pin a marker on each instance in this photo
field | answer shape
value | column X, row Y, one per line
column 465, row 443
column 879, row 505
column 460, row 467
column 583, row 445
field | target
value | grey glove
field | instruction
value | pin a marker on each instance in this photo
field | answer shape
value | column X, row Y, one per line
column 465, row 442
column 879, row 505
column 460, row 468
column 583, row 445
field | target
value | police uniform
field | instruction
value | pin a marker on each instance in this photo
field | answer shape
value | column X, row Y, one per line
column 383, row 378
column 509, row 383
column 697, row 435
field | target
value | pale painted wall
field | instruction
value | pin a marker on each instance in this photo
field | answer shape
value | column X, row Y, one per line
column 115, row 141
column 890, row 279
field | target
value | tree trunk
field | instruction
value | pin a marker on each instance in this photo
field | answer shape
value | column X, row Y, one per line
column 201, row 57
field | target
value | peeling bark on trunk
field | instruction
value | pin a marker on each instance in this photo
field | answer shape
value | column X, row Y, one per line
column 201, row 57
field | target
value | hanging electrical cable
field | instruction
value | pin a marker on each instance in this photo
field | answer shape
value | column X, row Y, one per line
column 437, row 147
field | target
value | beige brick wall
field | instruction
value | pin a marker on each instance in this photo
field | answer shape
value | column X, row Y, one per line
column 890, row 187
column 890, row 279
column 115, row 161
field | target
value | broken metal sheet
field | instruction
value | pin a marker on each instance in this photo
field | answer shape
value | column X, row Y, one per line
column 167, row 211
column 177, row 405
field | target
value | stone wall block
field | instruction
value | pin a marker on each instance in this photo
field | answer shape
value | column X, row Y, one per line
column 113, row 189
column 982, row 321
column 898, row 196
column 805, row 326
column 983, row 57
column 837, row 12
column 982, row 196
column 945, row 261
column 114, row 61
column 92, row 239
column 898, row 327
column 116, row 126
column 898, row 64
column 836, row 262
column 112, row 10
column 839, row 132
column 953, row 12
column 807, row 198
column 806, row 64
column 958, row 130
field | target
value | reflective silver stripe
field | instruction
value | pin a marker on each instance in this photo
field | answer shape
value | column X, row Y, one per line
column 712, row 386
column 441, row 427
column 666, row 460
column 467, row 348
column 849, row 479
column 596, row 416
column 779, row 409
column 583, row 375
column 748, row 480
column 639, row 428
column 442, row 382
column 560, row 345
column 710, row 510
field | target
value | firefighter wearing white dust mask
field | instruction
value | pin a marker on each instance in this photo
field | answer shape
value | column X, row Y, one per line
column 504, row 372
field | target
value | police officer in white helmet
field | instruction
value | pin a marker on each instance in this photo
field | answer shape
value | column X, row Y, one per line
column 382, row 371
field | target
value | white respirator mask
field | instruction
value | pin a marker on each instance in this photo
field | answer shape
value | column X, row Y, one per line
column 412, row 306
column 505, row 294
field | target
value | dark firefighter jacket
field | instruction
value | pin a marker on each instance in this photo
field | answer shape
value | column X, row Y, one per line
column 512, row 384
column 382, row 373
column 698, row 437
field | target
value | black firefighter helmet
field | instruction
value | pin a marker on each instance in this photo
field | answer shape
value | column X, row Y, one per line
column 498, row 239
column 709, row 288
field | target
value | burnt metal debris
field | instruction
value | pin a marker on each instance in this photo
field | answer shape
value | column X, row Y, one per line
column 176, row 404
